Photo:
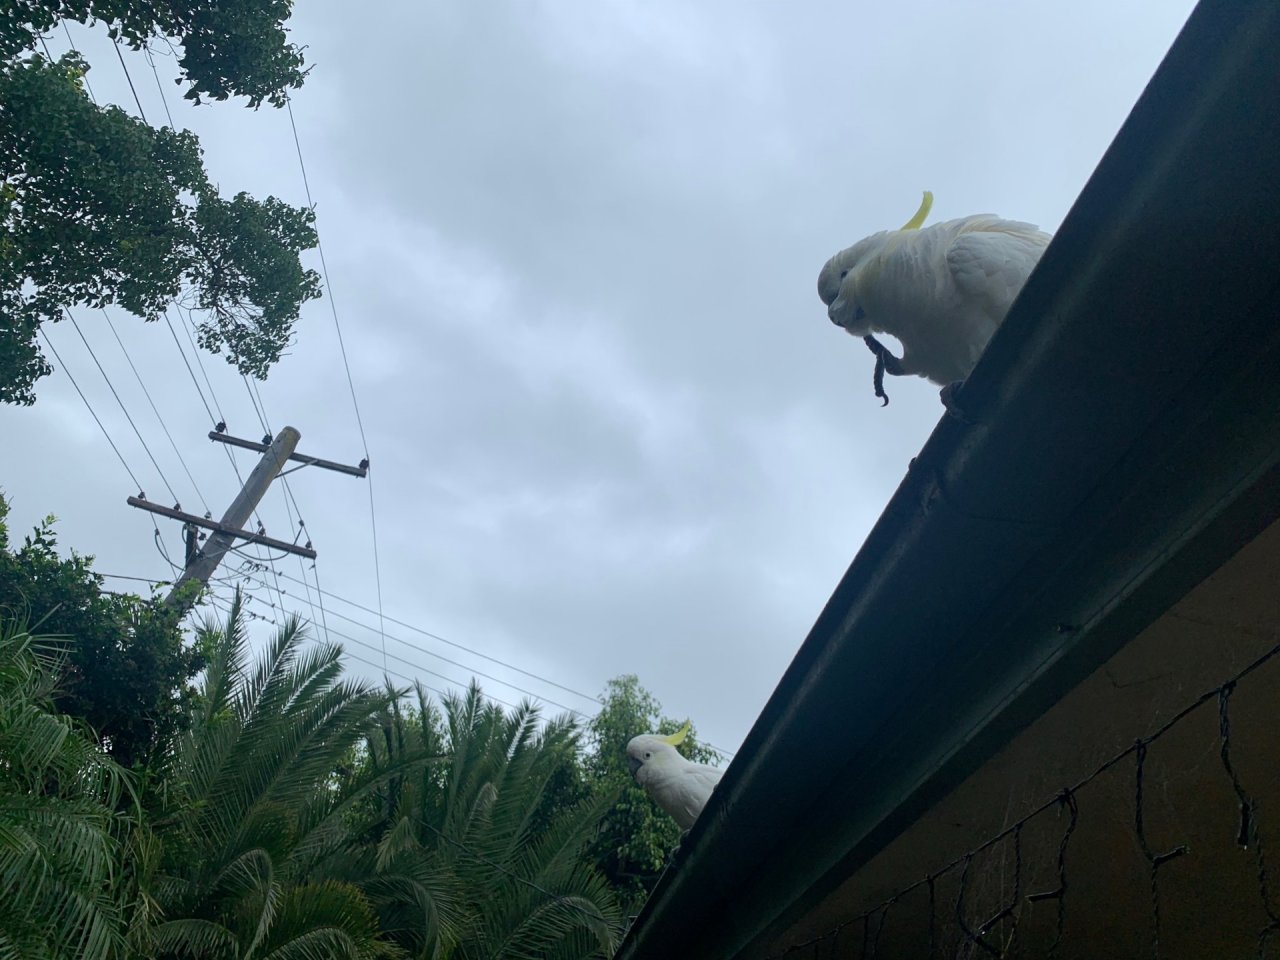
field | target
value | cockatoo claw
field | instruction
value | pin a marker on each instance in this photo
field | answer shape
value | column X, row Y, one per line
column 675, row 848
column 886, row 362
column 877, row 379
column 951, row 400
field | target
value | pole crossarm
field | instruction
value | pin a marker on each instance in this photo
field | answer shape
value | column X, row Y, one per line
column 358, row 471
column 217, row 527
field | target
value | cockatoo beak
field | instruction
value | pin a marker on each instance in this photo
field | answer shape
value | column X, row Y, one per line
column 634, row 766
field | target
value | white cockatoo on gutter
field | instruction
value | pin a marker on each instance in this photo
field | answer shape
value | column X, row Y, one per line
column 679, row 786
column 941, row 291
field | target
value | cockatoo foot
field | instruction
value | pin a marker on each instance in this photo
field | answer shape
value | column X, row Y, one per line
column 675, row 848
column 886, row 362
column 950, row 399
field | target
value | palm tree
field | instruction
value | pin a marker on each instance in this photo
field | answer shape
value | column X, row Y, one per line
column 247, row 802
column 478, row 855
column 61, row 830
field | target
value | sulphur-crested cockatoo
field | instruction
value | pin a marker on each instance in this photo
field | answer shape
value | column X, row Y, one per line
column 679, row 786
column 941, row 290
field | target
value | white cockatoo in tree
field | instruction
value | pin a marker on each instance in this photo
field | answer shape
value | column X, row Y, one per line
column 679, row 786
column 941, row 291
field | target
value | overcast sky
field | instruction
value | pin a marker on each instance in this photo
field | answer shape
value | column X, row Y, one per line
column 573, row 250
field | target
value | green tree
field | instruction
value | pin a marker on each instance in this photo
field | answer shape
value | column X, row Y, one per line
column 636, row 836
column 97, row 208
column 61, row 829
column 483, row 853
column 229, row 47
column 246, row 804
column 125, row 668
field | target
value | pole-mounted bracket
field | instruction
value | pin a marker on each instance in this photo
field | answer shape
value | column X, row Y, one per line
column 361, row 471
column 219, row 528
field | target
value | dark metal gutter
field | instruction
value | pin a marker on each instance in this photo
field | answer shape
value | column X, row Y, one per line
column 1125, row 440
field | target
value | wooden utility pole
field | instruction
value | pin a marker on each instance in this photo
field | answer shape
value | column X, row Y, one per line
column 237, row 517
column 201, row 563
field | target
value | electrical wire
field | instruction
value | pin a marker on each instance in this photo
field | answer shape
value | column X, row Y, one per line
column 120, row 576
column 729, row 754
column 132, row 88
column 67, row 31
column 225, row 607
column 187, row 323
column 119, row 456
column 260, row 408
column 123, row 409
column 459, row 646
column 159, row 86
column 155, row 409
column 187, row 363
column 432, row 653
column 346, row 365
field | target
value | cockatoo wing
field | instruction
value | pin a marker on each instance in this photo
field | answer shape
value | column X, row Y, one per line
column 991, row 264
column 685, row 792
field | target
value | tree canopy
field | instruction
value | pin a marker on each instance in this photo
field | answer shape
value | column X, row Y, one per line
column 97, row 208
column 229, row 47
column 124, row 668
column 61, row 832
column 281, row 806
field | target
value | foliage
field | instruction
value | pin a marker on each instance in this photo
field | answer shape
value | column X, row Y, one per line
column 246, row 804
column 60, row 832
column 479, row 855
column 229, row 47
column 98, row 208
column 125, row 668
column 286, row 812
column 636, row 836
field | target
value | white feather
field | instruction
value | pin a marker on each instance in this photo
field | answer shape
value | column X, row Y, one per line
column 942, row 291
column 679, row 786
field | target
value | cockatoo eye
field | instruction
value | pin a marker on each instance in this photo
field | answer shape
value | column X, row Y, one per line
column 648, row 755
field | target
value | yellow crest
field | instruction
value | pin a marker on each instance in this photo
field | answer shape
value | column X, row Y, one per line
column 916, row 222
column 677, row 738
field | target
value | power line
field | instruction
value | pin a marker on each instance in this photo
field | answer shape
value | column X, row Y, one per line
column 306, row 185
column 93, row 413
column 195, row 351
column 247, row 576
column 155, row 409
column 456, row 663
column 187, row 363
column 315, row 570
column 459, row 646
column 119, row 456
column 419, row 667
column 225, row 607
column 159, row 542
column 120, row 576
column 346, row 365
column 67, row 31
column 159, row 86
column 132, row 88
column 262, row 419
column 506, row 683
column 123, row 409
column 260, row 408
